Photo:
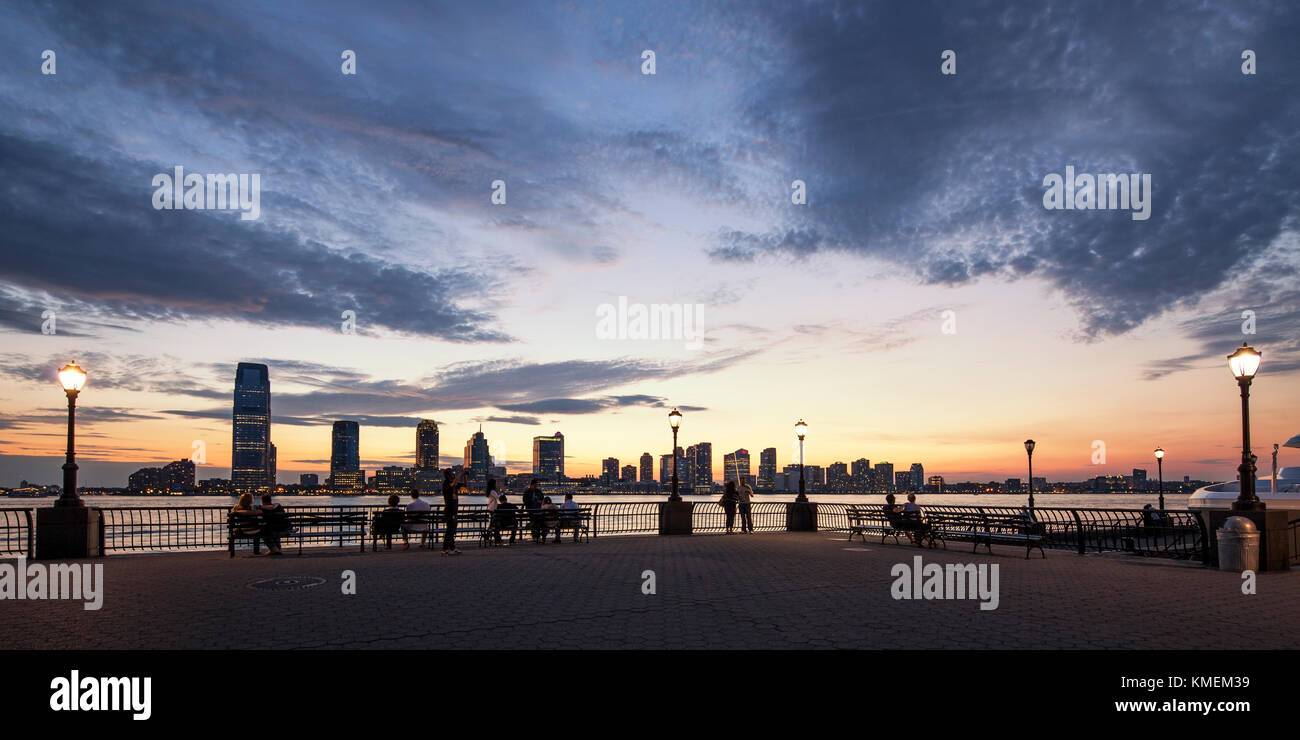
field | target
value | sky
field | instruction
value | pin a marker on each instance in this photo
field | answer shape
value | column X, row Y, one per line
column 921, row 304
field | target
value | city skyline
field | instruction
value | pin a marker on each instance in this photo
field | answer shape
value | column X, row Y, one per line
column 902, row 283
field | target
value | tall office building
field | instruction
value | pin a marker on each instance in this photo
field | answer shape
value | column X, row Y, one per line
column 837, row 477
column 902, row 481
column 860, row 475
column 628, row 475
column 686, row 471
column 346, row 475
column 548, row 458
column 936, row 484
column 609, row 471
column 666, row 469
column 250, row 458
column 735, row 465
column 918, row 477
column 478, row 460
column 884, row 476
column 426, row 445
column 702, row 480
column 766, row 469
column 647, row 468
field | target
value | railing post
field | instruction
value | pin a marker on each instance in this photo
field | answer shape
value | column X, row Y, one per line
column 1078, row 530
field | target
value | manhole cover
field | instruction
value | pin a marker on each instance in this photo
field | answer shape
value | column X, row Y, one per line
column 287, row 583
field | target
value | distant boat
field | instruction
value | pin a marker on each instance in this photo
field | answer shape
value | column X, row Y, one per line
column 29, row 493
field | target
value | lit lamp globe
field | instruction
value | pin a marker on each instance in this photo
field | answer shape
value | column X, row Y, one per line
column 801, row 428
column 674, row 418
column 72, row 378
column 1160, row 454
column 1244, row 363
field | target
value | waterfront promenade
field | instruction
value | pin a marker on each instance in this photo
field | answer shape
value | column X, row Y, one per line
column 779, row 590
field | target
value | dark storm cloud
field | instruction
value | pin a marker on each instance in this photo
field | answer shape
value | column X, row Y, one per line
column 133, row 262
column 943, row 173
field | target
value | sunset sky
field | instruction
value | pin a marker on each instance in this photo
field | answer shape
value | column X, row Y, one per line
column 924, row 195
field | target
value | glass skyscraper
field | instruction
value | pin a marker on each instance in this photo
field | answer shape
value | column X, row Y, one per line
column 767, row 469
column 647, row 467
column 346, row 475
column 251, row 463
column 426, row 444
column 478, row 460
column 548, row 458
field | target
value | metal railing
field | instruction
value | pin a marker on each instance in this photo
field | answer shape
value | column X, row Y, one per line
column 16, row 532
column 1175, row 533
column 1293, row 554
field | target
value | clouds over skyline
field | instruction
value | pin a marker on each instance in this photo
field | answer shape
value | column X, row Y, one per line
column 924, row 195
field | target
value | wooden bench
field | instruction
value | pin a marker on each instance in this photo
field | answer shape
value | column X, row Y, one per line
column 986, row 528
column 346, row 523
column 388, row 523
column 874, row 520
column 545, row 522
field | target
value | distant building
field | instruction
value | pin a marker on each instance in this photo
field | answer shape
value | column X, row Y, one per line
column 936, row 484
column 917, row 474
column 393, row 479
column 309, row 480
column 1139, row 479
column 647, row 468
column 1013, row 485
column 478, row 460
column 902, row 481
column 178, row 476
column 735, row 465
column 145, row 480
column 766, row 469
column 837, row 477
column 426, row 445
column 628, row 474
column 609, row 471
column 346, row 475
column 251, row 463
column 860, row 475
column 884, row 477
column 548, row 458
column 702, row 480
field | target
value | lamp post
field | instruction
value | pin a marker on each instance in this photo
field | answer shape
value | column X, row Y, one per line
column 1160, row 467
column 1244, row 363
column 674, row 421
column 801, row 428
column 1029, row 448
column 73, row 379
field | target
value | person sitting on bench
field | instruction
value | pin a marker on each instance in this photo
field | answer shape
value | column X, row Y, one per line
column 917, row 528
column 417, row 506
column 275, row 522
column 569, row 517
column 249, row 526
column 506, row 516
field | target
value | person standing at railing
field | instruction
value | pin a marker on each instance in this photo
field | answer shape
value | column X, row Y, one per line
column 746, row 508
column 451, row 488
column 729, row 500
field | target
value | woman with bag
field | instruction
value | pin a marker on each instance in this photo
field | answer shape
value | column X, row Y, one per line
column 729, row 500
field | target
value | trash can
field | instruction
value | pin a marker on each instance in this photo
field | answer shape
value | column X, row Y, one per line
column 1238, row 545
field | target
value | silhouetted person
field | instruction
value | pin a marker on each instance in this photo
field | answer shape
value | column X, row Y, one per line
column 570, row 516
column 419, row 507
column 533, row 506
column 746, row 508
column 506, row 516
column 275, row 523
column 729, row 500
column 451, row 487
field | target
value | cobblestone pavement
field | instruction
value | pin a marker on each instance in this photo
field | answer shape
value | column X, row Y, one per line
column 780, row 590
